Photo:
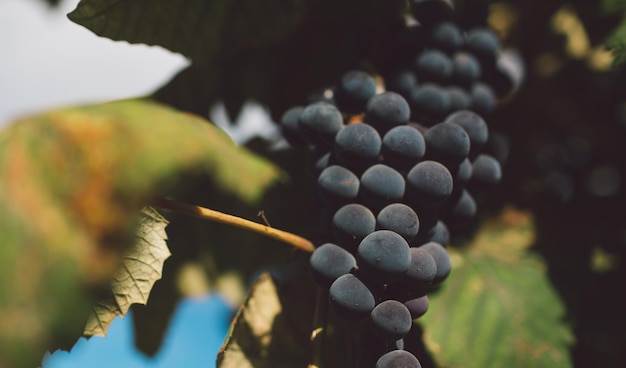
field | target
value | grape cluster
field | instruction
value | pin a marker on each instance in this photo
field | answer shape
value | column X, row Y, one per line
column 395, row 165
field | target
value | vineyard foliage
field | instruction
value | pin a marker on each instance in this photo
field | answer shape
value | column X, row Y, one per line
column 535, row 278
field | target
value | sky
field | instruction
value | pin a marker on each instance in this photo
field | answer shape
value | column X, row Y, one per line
column 48, row 62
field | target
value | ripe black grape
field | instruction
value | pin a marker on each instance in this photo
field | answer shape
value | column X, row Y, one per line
column 338, row 185
column 433, row 66
column 417, row 306
column 354, row 90
column 483, row 43
column 387, row 110
column 429, row 103
column 398, row 359
column 357, row 146
column 350, row 298
column 440, row 234
column 421, row 272
column 486, row 172
column 447, row 143
column 351, row 223
column 462, row 210
column 442, row 259
column 483, row 99
column 290, row 126
column 465, row 69
column 475, row 127
column 381, row 185
column 403, row 147
column 328, row 262
column 401, row 82
column 459, row 98
column 383, row 256
column 429, row 183
column 445, row 36
column 319, row 123
column 390, row 320
column 400, row 218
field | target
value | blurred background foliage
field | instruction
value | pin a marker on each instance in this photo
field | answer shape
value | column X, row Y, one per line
column 561, row 136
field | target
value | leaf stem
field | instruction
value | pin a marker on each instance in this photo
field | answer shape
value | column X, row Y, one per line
column 216, row 216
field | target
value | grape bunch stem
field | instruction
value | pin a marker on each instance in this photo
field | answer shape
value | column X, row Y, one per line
column 216, row 216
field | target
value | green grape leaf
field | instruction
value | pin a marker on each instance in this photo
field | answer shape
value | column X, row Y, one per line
column 616, row 42
column 497, row 307
column 265, row 331
column 140, row 268
column 72, row 183
column 199, row 29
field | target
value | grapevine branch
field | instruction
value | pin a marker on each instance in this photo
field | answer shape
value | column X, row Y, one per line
column 216, row 216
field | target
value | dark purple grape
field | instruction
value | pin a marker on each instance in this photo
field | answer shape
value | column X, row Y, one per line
column 429, row 183
column 459, row 98
column 465, row 69
column 475, row 127
column 483, row 99
column 483, row 43
column 462, row 174
column 328, row 262
column 486, row 172
column 381, row 185
column 462, row 210
column 447, row 143
column 398, row 359
column 401, row 82
column 433, row 66
column 387, row 110
column 429, row 103
column 350, row 224
column 290, row 126
column 350, row 298
column 399, row 218
column 390, row 320
column 442, row 259
column 446, row 36
column 338, row 185
column 417, row 306
column 421, row 272
column 354, row 90
column 383, row 256
column 319, row 123
column 403, row 147
column 440, row 234
column 357, row 146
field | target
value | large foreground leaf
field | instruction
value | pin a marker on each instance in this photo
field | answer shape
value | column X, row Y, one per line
column 72, row 183
column 497, row 308
column 199, row 29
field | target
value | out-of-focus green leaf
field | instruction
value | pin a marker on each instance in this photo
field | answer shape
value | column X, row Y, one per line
column 497, row 308
column 140, row 268
column 613, row 6
column 199, row 29
column 72, row 183
column 616, row 42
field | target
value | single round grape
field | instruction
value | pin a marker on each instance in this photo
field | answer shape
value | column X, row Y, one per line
column 442, row 259
column 429, row 103
column 465, row 69
column 319, row 123
column 428, row 184
column 354, row 90
column 433, row 66
column 417, row 306
column 421, row 272
column 328, row 262
column 430, row 12
column 381, row 185
column 483, row 43
column 290, row 126
column 350, row 298
column 357, row 146
column 399, row 218
column 459, row 98
column 486, row 172
column 462, row 210
column 401, row 82
column 383, row 256
column 350, row 224
column 462, row 174
column 440, row 234
column 446, row 36
column 447, row 143
column 387, row 110
column 338, row 185
column 390, row 320
column 475, row 127
column 398, row 359
column 483, row 99
column 403, row 147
